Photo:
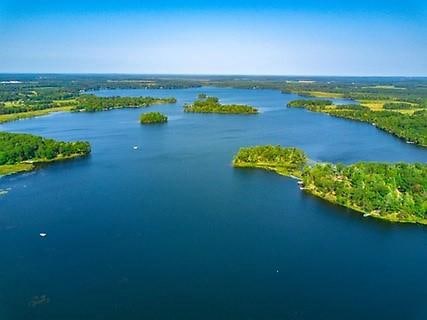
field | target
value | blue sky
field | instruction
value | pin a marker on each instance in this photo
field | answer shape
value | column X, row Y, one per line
column 215, row 37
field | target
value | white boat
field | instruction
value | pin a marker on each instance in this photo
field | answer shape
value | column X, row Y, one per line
column 135, row 147
column 410, row 142
column 43, row 234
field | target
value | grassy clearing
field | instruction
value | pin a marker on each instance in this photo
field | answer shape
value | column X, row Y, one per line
column 374, row 105
column 15, row 168
column 378, row 105
column 321, row 94
column 32, row 114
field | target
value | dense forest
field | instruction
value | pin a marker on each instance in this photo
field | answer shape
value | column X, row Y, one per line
column 212, row 105
column 391, row 191
column 17, row 147
column 395, row 192
column 91, row 103
column 20, row 152
column 411, row 127
column 287, row 161
column 152, row 118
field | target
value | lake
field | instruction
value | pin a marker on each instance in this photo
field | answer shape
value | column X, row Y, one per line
column 172, row 231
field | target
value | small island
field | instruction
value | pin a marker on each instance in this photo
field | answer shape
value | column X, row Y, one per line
column 92, row 103
column 23, row 152
column 394, row 192
column 206, row 104
column 153, row 118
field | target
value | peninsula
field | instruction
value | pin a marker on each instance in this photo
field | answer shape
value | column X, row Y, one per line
column 394, row 192
column 409, row 126
column 23, row 152
column 92, row 103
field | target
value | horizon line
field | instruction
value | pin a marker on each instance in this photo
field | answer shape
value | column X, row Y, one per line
column 214, row 74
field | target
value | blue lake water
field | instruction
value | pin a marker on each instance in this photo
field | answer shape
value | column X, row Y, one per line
column 172, row 231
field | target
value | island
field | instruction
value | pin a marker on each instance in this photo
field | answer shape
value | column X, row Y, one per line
column 408, row 126
column 24, row 152
column 394, row 192
column 92, row 103
column 206, row 104
column 153, row 118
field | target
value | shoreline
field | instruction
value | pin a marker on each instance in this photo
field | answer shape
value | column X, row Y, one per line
column 31, row 114
column 312, row 190
column 30, row 165
column 330, row 112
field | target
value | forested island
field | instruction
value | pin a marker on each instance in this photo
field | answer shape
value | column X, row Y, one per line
column 91, row 103
column 153, row 118
column 206, row 104
column 409, row 126
column 23, row 152
column 393, row 192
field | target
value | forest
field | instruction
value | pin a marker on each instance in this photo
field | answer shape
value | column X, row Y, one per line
column 16, row 148
column 285, row 161
column 152, row 118
column 394, row 192
column 91, row 103
column 212, row 105
column 411, row 127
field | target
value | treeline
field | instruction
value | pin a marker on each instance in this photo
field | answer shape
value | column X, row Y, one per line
column 152, row 118
column 409, row 90
column 212, row 105
column 287, row 161
column 398, row 106
column 411, row 127
column 306, row 103
column 15, row 148
column 392, row 191
column 321, row 105
column 92, row 103
column 20, row 107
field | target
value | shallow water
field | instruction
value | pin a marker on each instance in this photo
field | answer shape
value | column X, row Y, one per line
column 172, row 231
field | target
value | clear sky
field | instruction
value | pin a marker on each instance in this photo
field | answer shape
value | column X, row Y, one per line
column 215, row 37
